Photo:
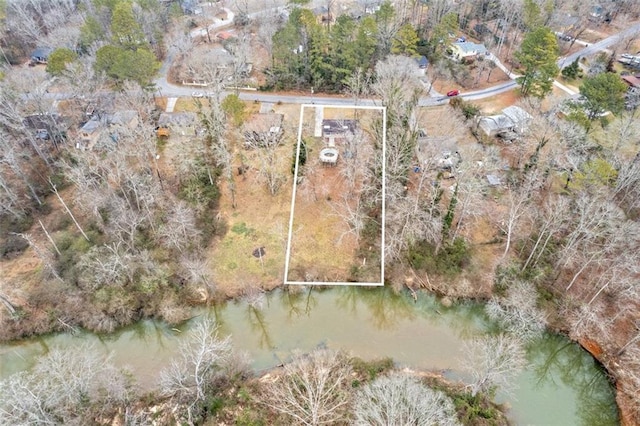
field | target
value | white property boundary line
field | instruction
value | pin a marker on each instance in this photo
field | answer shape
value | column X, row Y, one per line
column 295, row 186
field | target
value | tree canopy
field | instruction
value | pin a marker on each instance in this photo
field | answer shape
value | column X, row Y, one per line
column 537, row 56
column 603, row 92
column 58, row 60
column 128, row 57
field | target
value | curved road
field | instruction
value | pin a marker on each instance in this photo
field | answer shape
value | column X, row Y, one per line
column 171, row 90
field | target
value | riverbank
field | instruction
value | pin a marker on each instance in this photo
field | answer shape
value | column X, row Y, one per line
column 422, row 334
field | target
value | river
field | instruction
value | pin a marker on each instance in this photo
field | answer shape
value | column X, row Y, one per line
column 562, row 385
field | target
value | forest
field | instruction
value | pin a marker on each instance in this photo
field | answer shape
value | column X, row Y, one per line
column 136, row 182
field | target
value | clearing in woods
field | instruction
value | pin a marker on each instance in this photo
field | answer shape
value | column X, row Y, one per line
column 336, row 225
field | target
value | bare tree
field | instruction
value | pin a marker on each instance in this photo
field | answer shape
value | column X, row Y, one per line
column 402, row 400
column 201, row 362
column 264, row 138
column 518, row 312
column 313, row 389
column 179, row 229
column 494, row 362
column 67, row 386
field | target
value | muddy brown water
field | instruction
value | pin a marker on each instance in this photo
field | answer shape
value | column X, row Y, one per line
column 562, row 385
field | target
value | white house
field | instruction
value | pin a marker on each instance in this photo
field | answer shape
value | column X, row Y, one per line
column 466, row 50
column 512, row 119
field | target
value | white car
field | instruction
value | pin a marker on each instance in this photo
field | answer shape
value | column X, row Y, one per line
column 197, row 94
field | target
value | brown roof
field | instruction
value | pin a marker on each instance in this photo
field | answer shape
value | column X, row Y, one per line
column 631, row 80
column 225, row 35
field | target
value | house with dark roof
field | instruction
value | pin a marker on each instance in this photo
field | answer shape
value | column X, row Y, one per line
column 47, row 127
column 40, row 55
column 105, row 125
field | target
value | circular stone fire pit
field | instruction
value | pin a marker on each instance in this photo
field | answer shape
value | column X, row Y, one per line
column 329, row 155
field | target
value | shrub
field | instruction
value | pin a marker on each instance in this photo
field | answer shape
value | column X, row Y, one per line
column 12, row 245
column 449, row 260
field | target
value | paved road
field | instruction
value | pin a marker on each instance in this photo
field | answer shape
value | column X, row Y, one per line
column 167, row 89
column 601, row 45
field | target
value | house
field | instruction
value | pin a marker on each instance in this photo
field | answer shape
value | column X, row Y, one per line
column 40, row 55
column 180, row 122
column 519, row 117
column 177, row 121
column 324, row 15
column 466, row 50
column 632, row 97
column 632, row 80
column 108, row 125
column 336, row 130
column 190, row 7
column 263, row 130
column 370, row 6
column 47, row 127
column 225, row 36
column 513, row 119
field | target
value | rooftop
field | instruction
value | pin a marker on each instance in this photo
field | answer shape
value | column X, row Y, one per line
column 338, row 127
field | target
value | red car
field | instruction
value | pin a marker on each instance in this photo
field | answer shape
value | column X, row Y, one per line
column 454, row 92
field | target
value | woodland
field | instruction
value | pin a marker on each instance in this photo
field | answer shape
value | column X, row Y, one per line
column 101, row 230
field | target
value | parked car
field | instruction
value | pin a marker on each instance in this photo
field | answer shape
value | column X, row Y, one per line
column 454, row 92
column 197, row 94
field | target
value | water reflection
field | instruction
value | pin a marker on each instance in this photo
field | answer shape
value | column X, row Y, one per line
column 562, row 386
column 257, row 322
column 557, row 362
column 298, row 301
column 386, row 307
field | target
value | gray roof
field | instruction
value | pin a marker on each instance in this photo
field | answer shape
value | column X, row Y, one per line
column 494, row 180
column 512, row 118
column 122, row 118
column 517, row 115
column 495, row 122
column 41, row 52
column 177, row 119
column 91, row 125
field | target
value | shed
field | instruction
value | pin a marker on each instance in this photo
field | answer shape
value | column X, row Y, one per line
column 423, row 62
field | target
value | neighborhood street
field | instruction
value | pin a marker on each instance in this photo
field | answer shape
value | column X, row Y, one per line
column 171, row 90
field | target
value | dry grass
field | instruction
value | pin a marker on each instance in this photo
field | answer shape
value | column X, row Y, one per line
column 258, row 220
column 323, row 249
column 497, row 103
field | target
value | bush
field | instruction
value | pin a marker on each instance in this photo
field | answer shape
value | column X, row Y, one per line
column 369, row 370
column 12, row 246
column 302, row 158
column 449, row 260
column 468, row 109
